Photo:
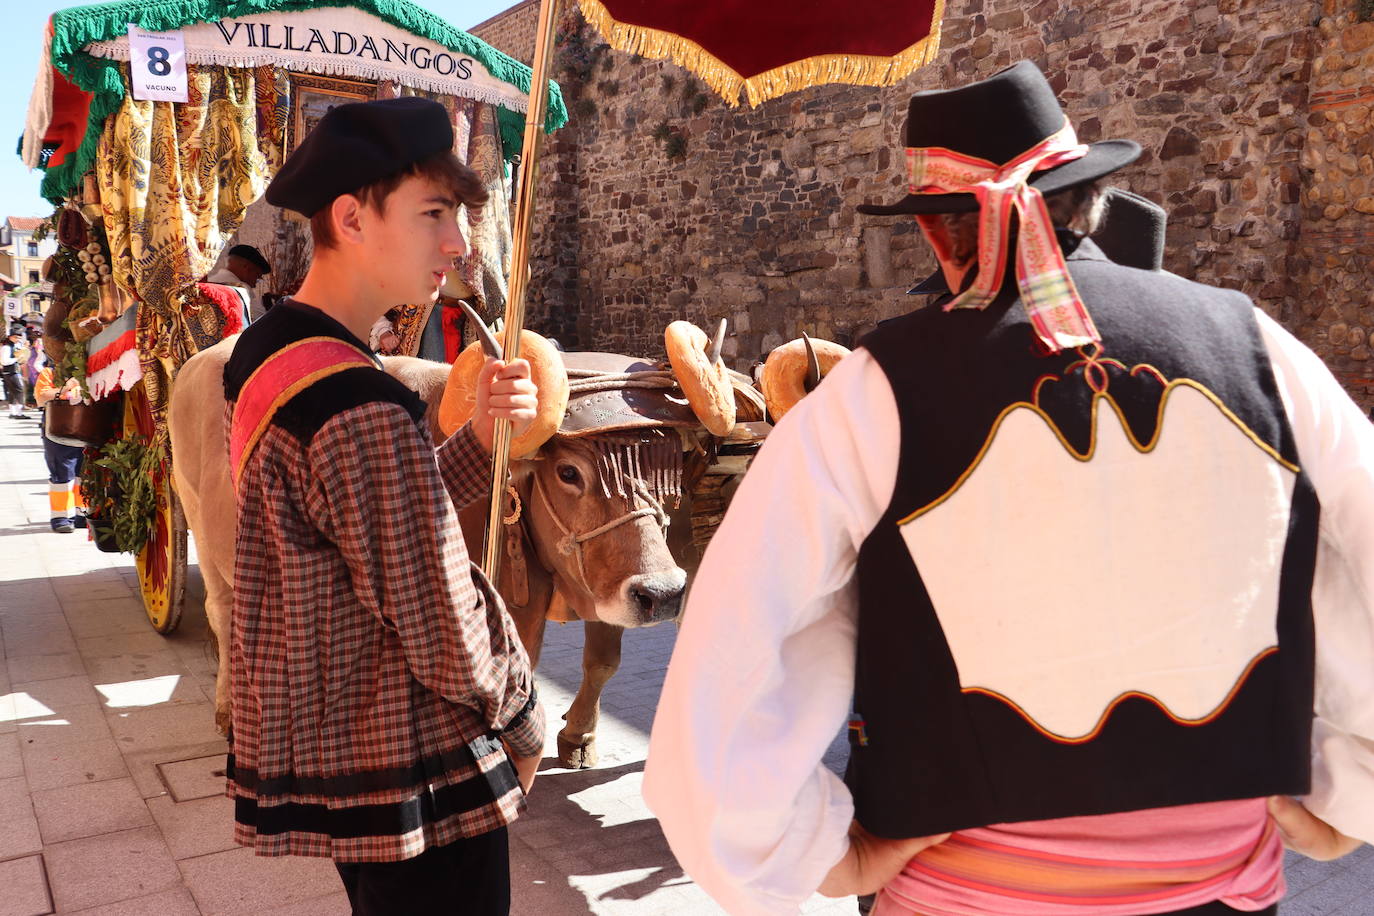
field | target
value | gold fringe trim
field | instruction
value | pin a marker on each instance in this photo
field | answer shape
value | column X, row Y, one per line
column 823, row 69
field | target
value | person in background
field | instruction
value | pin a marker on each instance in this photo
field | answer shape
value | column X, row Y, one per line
column 63, row 456
column 34, row 364
column 12, row 355
column 244, row 267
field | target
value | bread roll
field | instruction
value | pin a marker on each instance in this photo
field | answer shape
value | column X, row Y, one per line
column 783, row 379
column 706, row 384
column 546, row 369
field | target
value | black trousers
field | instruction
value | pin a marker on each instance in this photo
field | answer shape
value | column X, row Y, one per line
column 470, row 877
column 14, row 388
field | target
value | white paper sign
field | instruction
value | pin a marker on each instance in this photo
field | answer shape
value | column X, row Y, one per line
column 157, row 65
column 12, row 307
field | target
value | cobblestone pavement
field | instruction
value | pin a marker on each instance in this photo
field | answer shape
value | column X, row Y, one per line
column 111, row 772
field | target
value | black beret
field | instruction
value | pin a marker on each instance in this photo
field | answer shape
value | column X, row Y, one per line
column 252, row 256
column 356, row 145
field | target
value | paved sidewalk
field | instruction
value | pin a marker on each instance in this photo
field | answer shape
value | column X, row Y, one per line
column 111, row 773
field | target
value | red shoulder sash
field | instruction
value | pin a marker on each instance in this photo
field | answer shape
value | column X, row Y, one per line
column 281, row 377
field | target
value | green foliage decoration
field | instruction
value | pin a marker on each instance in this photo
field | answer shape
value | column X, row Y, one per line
column 122, row 487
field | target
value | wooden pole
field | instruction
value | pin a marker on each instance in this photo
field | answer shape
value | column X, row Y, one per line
column 519, row 270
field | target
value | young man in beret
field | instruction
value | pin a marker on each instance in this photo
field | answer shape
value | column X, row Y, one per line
column 380, row 693
column 1090, row 550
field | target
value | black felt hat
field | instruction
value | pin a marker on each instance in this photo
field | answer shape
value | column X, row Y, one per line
column 1132, row 230
column 997, row 120
column 356, row 145
column 252, row 256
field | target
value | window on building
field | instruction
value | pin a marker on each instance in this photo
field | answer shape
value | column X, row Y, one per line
column 33, row 276
column 33, row 249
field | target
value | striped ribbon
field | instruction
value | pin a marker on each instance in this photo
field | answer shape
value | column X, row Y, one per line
column 1057, row 313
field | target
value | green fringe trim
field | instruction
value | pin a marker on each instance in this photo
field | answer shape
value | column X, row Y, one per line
column 77, row 27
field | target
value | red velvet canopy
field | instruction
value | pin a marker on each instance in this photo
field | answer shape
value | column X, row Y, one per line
column 768, row 47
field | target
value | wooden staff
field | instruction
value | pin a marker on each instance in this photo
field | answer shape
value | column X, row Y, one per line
column 519, row 271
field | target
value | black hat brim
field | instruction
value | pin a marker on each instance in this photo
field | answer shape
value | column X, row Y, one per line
column 1103, row 158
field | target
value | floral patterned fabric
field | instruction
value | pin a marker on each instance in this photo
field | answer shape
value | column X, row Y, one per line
column 175, row 180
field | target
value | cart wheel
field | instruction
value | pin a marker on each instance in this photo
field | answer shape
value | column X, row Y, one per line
column 162, row 561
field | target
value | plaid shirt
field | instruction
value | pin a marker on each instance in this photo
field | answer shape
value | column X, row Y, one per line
column 374, row 671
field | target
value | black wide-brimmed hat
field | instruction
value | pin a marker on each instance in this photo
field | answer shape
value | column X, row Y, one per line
column 997, row 120
column 359, row 144
column 1132, row 230
column 252, row 256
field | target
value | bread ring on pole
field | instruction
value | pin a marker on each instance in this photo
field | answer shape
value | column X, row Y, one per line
column 790, row 372
column 546, row 369
column 701, row 374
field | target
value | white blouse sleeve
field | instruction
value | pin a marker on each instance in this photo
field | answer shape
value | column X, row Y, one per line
column 1336, row 449
column 763, row 671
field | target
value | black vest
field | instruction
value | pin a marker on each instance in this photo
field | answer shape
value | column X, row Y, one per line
column 988, row 427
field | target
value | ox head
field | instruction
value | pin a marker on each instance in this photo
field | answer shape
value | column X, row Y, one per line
column 592, row 504
column 598, row 524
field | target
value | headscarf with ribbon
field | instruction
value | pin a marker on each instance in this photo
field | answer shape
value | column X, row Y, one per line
column 1057, row 313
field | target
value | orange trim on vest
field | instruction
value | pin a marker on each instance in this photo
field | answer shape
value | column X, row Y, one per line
column 1121, row 698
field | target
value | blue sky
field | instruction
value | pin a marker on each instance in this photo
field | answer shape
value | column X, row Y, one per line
column 21, row 38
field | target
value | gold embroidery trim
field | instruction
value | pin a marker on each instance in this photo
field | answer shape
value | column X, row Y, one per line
column 1126, row 695
column 1143, row 448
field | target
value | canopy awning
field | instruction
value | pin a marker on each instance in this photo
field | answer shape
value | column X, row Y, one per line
column 79, row 84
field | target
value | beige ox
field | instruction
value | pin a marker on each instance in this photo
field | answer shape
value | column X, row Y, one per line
column 623, row 574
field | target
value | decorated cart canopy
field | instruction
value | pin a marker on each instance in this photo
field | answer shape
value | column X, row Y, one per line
column 174, row 179
column 79, row 83
column 157, row 125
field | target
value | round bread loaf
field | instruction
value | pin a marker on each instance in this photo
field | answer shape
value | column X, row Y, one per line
column 706, row 384
column 546, row 369
column 783, row 379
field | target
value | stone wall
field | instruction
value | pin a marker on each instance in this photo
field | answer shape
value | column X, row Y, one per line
column 1335, row 261
column 512, row 30
column 659, row 202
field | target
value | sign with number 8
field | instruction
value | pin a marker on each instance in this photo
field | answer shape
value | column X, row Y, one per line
column 157, row 65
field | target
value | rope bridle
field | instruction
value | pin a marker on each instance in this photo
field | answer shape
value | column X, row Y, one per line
column 570, row 544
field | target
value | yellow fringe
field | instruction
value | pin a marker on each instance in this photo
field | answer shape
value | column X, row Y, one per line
column 854, row 69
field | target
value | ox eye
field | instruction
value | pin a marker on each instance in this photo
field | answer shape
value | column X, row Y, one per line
column 568, row 474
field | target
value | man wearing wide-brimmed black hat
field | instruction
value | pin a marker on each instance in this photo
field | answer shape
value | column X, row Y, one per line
column 243, row 267
column 1086, row 545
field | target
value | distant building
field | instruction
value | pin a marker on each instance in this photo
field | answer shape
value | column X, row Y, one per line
column 21, row 262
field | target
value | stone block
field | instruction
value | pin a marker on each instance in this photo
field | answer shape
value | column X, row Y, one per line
column 25, row 888
column 78, row 724
column 43, row 667
column 877, row 246
column 237, row 881
column 109, row 868
column 88, row 809
column 19, row 835
column 74, row 763
column 175, row 901
column 195, row 828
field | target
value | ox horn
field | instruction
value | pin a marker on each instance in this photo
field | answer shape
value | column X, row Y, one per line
column 490, row 345
column 713, row 354
column 813, row 366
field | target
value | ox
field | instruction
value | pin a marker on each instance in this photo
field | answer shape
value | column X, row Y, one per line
column 585, row 536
